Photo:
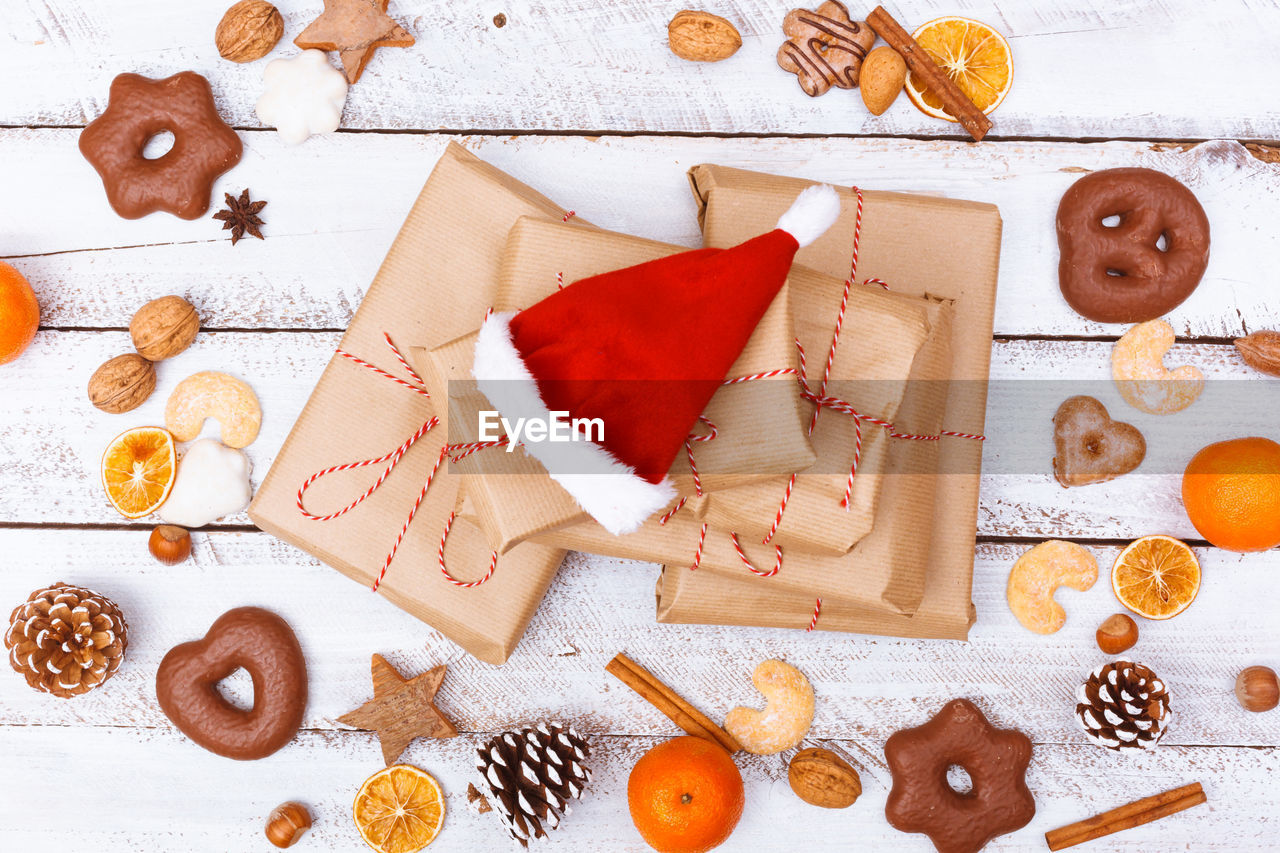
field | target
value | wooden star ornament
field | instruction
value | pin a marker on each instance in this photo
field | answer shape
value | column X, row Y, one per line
column 401, row 709
column 354, row 28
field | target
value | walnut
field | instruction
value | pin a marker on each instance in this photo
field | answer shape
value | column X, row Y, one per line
column 822, row 778
column 248, row 31
column 122, row 384
column 164, row 327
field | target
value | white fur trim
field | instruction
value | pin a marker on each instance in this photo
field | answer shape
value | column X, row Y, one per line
column 608, row 489
column 811, row 214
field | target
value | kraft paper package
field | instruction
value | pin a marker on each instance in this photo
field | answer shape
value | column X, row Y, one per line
column 880, row 574
column 761, row 425
column 439, row 275
column 920, row 245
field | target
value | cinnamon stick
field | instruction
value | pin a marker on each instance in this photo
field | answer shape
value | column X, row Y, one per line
column 1126, row 817
column 669, row 702
column 957, row 103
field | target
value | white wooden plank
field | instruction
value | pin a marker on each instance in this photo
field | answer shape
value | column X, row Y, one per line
column 598, row 607
column 51, row 442
column 1091, row 69
column 180, row 797
column 335, row 203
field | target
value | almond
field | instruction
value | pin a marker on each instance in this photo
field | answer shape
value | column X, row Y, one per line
column 702, row 37
column 1261, row 351
column 883, row 74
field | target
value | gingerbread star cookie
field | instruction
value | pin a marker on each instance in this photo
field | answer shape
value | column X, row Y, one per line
column 401, row 709
column 995, row 759
column 354, row 28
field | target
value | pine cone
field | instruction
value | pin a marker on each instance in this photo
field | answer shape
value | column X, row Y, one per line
column 531, row 775
column 1124, row 705
column 66, row 640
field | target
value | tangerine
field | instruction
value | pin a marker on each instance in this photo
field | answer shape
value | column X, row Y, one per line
column 1231, row 491
column 19, row 313
column 685, row 795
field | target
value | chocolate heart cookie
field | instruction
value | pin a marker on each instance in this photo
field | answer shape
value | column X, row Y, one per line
column 1090, row 447
column 263, row 645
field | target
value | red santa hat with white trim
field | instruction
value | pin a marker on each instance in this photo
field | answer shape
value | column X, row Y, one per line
column 641, row 351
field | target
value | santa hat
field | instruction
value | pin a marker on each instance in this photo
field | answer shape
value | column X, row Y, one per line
column 643, row 350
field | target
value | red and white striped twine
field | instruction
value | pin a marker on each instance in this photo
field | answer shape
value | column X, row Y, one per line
column 392, row 459
column 493, row 560
column 813, row 623
column 688, row 449
column 746, row 561
column 777, row 519
column 697, row 554
column 669, row 513
column 418, row 388
column 465, row 450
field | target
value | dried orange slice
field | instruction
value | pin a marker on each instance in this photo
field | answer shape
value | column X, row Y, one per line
column 1156, row 577
column 972, row 54
column 399, row 809
column 138, row 469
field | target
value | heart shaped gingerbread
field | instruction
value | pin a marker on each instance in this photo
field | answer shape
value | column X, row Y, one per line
column 263, row 645
column 1092, row 448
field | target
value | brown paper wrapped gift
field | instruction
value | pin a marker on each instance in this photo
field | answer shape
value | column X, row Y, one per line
column 922, row 245
column 437, row 278
column 880, row 574
column 761, row 425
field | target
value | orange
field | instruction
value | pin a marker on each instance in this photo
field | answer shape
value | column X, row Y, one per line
column 685, row 795
column 972, row 54
column 138, row 468
column 399, row 809
column 1156, row 577
column 19, row 313
column 1232, row 494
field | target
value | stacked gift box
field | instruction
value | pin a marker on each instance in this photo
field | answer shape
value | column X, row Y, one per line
column 839, row 491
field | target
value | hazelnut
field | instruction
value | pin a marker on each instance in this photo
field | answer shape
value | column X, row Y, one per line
column 287, row 823
column 822, row 778
column 248, row 31
column 164, row 327
column 170, row 544
column 122, row 384
column 1257, row 690
column 1117, row 634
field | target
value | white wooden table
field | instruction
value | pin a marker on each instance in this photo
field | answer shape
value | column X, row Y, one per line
column 583, row 101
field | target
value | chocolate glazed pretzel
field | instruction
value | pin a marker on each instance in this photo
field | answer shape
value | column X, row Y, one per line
column 824, row 48
column 1120, row 274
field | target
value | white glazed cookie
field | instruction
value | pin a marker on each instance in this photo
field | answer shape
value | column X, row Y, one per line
column 212, row 481
column 302, row 96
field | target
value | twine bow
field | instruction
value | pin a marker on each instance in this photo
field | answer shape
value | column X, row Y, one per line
column 393, row 459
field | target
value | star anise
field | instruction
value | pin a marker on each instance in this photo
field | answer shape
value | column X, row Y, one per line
column 241, row 216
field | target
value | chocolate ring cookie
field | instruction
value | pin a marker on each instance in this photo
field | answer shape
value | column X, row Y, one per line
column 1143, row 266
column 995, row 759
column 263, row 645
column 181, row 180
